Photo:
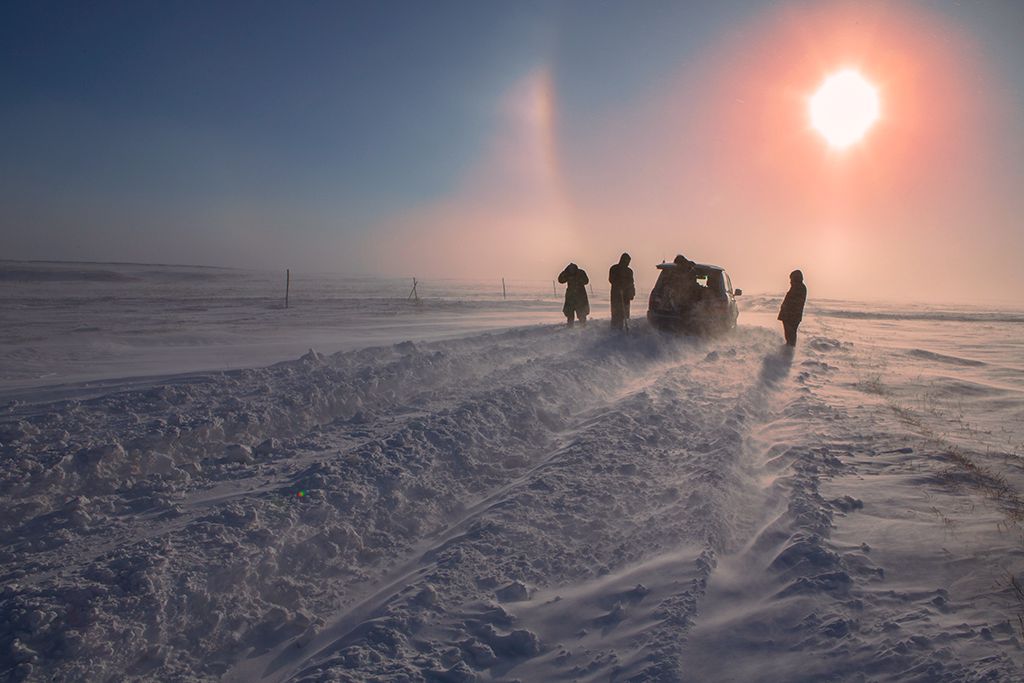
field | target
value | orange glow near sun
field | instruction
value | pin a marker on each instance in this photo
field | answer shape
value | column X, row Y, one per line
column 844, row 108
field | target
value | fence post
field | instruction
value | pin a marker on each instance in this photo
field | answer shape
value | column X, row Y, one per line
column 287, row 285
column 503, row 288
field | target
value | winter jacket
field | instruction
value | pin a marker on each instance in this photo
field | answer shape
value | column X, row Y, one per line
column 621, row 278
column 792, row 309
column 576, row 299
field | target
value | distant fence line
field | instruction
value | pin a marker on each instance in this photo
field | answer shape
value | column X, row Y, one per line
column 297, row 286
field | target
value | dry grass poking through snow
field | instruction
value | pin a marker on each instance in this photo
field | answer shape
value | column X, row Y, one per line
column 984, row 478
column 940, row 425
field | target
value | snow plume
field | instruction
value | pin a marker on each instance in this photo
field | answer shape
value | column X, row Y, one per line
column 539, row 504
column 508, row 216
column 388, row 446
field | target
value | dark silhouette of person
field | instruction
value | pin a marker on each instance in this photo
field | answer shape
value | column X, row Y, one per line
column 792, row 310
column 683, row 288
column 577, row 303
column 623, row 290
column 713, row 302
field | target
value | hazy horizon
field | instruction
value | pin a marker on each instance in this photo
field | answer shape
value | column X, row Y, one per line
column 428, row 286
column 467, row 141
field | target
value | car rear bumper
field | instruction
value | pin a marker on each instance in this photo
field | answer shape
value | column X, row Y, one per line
column 690, row 322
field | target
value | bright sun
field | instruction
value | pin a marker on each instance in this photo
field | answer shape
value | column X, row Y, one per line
column 844, row 108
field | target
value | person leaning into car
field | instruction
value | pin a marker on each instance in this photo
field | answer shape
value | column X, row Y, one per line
column 792, row 310
column 684, row 292
column 623, row 290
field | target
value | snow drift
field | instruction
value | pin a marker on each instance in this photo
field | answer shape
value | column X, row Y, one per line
column 534, row 504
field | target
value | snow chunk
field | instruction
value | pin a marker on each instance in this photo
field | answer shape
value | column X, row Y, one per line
column 239, row 453
column 513, row 592
column 267, row 447
column 313, row 357
column 518, row 643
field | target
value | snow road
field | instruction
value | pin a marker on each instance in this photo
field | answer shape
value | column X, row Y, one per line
column 538, row 504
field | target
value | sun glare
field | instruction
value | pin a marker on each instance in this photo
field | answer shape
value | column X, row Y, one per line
column 844, row 108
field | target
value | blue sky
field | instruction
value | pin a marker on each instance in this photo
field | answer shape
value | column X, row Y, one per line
column 372, row 102
column 185, row 101
column 358, row 136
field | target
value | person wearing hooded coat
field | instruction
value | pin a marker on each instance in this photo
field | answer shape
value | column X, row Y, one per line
column 577, row 303
column 623, row 291
column 792, row 310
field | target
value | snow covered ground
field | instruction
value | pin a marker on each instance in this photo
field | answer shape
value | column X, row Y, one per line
column 467, row 490
column 87, row 322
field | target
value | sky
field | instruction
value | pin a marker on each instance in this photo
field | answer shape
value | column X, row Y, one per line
column 506, row 139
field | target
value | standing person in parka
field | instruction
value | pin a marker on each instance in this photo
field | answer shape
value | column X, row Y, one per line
column 577, row 303
column 792, row 310
column 623, row 290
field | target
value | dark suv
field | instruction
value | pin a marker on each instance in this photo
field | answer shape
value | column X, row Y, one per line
column 705, row 304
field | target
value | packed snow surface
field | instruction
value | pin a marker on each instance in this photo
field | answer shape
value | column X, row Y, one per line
column 466, row 490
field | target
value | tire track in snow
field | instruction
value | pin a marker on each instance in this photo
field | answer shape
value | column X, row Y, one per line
column 807, row 599
column 563, row 367
column 635, row 534
column 398, row 443
column 98, row 534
